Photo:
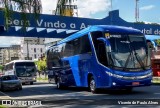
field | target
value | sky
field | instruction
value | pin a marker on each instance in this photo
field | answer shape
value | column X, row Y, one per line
column 148, row 11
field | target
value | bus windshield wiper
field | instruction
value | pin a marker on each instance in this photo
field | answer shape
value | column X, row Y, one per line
column 139, row 59
column 127, row 61
column 137, row 56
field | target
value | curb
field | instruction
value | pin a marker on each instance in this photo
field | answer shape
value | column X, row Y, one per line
column 42, row 81
column 155, row 83
column 4, row 96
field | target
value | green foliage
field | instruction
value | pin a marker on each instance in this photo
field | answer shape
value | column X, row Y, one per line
column 24, row 6
column 41, row 64
column 2, row 106
column 139, row 22
column 158, row 42
column 39, row 78
column 1, row 67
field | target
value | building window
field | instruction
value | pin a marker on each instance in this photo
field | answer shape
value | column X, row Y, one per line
column 41, row 50
column 35, row 56
column 34, row 49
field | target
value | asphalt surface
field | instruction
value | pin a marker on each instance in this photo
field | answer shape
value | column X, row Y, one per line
column 73, row 97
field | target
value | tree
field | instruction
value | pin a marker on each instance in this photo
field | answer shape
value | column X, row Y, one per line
column 60, row 9
column 41, row 65
column 23, row 6
column 1, row 68
column 158, row 42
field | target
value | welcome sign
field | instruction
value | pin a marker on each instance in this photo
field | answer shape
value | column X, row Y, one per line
column 69, row 23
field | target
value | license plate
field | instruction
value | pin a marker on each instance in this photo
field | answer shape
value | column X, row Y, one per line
column 135, row 83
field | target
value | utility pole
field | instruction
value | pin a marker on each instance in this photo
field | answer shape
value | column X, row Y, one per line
column 111, row 5
column 137, row 11
column 27, row 49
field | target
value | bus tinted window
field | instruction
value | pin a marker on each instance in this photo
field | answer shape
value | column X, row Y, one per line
column 8, row 67
column 24, row 64
column 85, row 46
column 68, row 49
column 77, row 46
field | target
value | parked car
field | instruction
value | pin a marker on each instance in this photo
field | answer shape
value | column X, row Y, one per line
column 10, row 82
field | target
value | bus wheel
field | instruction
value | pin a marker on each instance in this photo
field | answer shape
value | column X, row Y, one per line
column 129, row 89
column 2, row 88
column 92, row 85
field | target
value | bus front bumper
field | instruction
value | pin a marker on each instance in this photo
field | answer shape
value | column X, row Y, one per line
column 121, row 83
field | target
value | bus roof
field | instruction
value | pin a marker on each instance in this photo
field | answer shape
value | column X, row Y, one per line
column 19, row 61
column 109, row 28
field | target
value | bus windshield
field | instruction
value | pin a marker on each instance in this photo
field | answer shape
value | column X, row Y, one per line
column 129, row 52
column 25, row 72
column 26, row 69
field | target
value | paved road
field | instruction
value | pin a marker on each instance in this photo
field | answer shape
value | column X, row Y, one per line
column 80, row 97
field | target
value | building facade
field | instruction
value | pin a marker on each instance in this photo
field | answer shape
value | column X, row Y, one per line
column 9, row 53
column 1, row 55
column 32, row 48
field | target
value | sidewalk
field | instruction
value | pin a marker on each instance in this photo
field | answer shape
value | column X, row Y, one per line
column 4, row 96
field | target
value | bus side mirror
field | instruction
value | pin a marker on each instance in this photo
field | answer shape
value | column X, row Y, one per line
column 106, row 42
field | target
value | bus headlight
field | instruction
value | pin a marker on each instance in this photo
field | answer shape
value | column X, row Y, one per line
column 114, row 75
column 109, row 73
column 117, row 76
column 129, row 77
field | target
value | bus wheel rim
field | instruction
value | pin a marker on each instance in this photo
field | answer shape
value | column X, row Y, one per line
column 92, row 85
column 58, row 85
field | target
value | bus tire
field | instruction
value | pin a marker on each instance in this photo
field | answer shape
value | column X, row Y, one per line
column 92, row 85
column 31, row 83
column 2, row 88
column 19, row 88
column 129, row 89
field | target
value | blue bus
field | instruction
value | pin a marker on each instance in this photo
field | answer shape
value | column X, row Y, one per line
column 101, row 56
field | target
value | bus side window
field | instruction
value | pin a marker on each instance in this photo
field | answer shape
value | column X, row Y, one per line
column 102, row 54
column 99, row 47
column 68, row 49
column 85, row 46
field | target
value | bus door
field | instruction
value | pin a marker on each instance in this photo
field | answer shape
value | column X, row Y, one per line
column 102, row 59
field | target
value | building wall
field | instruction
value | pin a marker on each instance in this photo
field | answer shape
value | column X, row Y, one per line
column 10, row 53
column 32, row 48
column 34, row 51
column 1, row 57
column 30, row 40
